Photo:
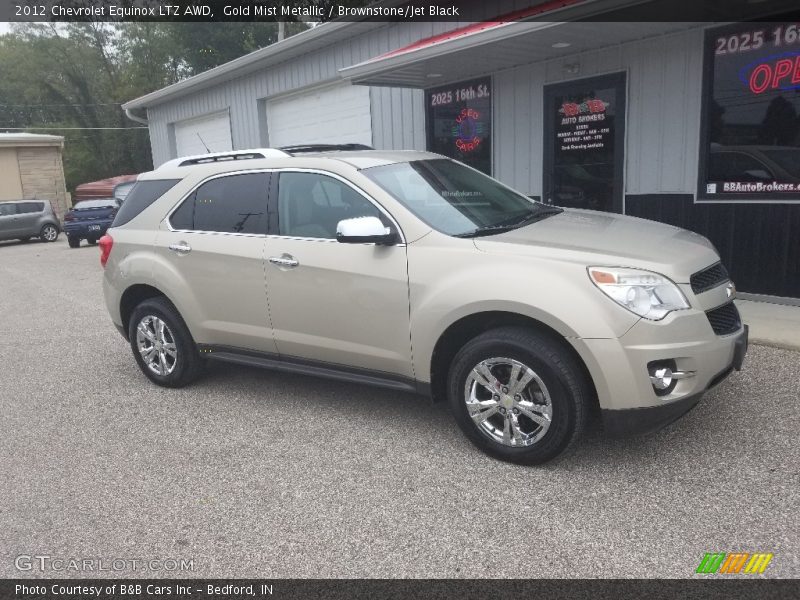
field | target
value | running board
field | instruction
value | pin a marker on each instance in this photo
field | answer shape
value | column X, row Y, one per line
column 313, row 368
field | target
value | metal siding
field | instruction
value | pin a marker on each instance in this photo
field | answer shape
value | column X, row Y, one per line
column 664, row 77
column 318, row 67
column 398, row 121
column 662, row 133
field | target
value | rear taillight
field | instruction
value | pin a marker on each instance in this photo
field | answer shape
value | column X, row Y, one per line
column 106, row 243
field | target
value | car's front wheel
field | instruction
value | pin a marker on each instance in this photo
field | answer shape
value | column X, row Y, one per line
column 519, row 395
column 49, row 233
column 162, row 345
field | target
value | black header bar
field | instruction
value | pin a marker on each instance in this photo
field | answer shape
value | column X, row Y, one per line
column 393, row 11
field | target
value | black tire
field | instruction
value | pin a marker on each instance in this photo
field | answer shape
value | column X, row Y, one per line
column 48, row 233
column 187, row 364
column 73, row 241
column 564, row 380
column 92, row 241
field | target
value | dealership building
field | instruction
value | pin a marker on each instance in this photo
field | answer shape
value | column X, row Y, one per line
column 692, row 124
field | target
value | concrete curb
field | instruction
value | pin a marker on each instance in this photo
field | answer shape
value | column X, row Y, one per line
column 773, row 325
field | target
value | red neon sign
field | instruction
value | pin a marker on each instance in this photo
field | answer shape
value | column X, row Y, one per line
column 467, row 127
column 593, row 106
column 781, row 74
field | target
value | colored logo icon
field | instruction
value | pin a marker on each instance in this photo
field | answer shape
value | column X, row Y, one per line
column 734, row 563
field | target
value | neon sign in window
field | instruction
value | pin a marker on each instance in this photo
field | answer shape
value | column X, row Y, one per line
column 459, row 123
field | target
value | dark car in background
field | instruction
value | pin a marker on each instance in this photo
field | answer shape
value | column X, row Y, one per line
column 24, row 219
column 113, row 187
column 89, row 219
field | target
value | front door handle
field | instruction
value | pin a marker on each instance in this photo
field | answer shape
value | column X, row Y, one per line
column 286, row 261
column 180, row 248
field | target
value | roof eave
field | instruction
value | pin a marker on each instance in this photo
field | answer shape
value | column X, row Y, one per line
column 239, row 66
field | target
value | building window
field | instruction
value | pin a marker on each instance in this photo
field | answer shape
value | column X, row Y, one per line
column 750, row 147
column 460, row 122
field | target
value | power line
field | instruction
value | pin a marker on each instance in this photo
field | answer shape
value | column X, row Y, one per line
column 68, row 128
column 60, row 105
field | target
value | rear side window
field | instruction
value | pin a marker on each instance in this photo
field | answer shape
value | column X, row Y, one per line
column 30, row 207
column 143, row 194
column 7, row 209
column 231, row 204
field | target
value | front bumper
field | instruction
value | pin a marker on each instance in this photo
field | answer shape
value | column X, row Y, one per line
column 635, row 421
column 619, row 369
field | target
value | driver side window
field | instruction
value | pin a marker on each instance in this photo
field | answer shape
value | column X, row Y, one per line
column 311, row 205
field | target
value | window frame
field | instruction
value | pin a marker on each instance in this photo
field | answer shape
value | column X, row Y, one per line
column 274, row 216
column 428, row 117
column 704, row 154
column 187, row 195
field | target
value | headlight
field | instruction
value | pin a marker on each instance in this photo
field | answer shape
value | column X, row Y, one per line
column 647, row 294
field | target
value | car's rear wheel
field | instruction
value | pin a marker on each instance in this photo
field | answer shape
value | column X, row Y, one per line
column 519, row 395
column 162, row 345
column 73, row 242
column 49, row 233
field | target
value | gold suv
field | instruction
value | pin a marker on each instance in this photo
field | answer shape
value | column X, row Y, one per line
column 414, row 272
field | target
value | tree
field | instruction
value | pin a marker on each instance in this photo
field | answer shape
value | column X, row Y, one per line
column 72, row 79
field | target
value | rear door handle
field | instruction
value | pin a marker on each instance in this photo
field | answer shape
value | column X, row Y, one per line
column 286, row 261
column 180, row 248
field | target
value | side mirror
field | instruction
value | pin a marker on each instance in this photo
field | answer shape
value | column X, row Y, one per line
column 364, row 230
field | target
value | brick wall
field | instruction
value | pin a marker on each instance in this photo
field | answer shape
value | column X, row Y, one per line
column 42, row 174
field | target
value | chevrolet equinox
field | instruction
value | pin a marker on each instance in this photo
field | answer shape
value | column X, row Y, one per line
column 415, row 272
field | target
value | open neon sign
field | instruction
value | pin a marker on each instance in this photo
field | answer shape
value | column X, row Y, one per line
column 777, row 72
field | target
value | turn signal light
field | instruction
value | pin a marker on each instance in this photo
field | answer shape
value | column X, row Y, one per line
column 106, row 243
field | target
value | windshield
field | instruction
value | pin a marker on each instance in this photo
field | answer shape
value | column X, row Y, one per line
column 455, row 199
column 105, row 203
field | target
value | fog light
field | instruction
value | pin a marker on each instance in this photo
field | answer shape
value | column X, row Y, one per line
column 664, row 376
column 661, row 378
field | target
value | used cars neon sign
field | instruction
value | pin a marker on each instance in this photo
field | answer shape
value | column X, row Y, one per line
column 468, row 129
column 777, row 72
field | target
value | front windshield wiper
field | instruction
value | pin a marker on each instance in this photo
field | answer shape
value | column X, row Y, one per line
column 501, row 228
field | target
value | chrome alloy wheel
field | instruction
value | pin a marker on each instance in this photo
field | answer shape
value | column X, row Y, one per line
column 156, row 345
column 50, row 233
column 508, row 402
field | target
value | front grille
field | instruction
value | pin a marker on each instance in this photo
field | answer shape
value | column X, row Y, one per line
column 709, row 278
column 724, row 319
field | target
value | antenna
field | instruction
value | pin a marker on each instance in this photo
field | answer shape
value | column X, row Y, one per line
column 202, row 142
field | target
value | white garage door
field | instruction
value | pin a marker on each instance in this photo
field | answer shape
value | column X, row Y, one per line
column 332, row 115
column 193, row 135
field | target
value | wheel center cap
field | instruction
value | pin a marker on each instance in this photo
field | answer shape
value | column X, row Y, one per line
column 508, row 401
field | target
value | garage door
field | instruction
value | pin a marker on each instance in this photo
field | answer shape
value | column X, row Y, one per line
column 214, row 130
column 332, row 115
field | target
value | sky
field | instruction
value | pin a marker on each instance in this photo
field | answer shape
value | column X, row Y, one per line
column 4, row 27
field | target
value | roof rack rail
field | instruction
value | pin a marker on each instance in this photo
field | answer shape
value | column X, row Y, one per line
column 212, row 157
column 303, row 148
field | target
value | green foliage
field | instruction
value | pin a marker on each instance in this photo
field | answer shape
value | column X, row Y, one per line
column 78, row 76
